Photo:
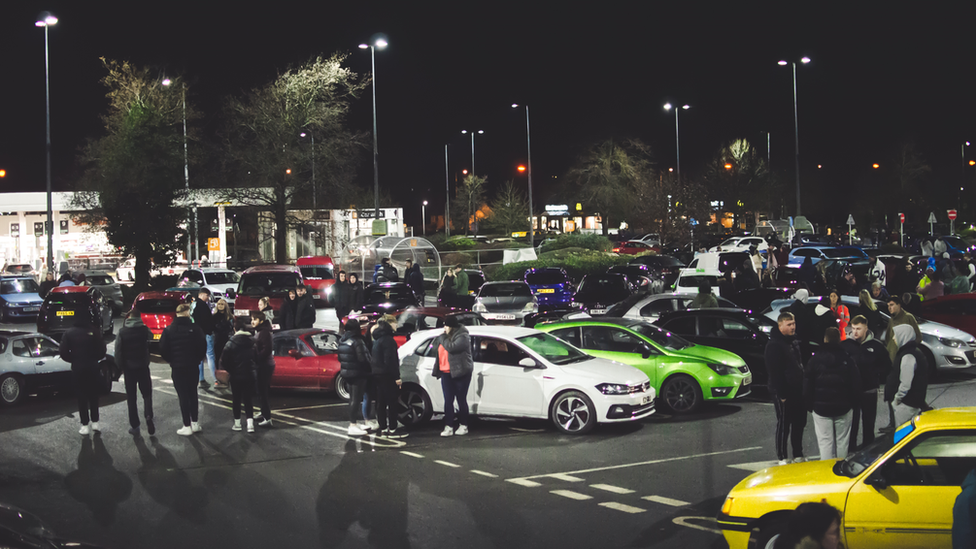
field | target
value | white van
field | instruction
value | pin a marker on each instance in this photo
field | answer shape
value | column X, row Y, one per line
column 690, row 279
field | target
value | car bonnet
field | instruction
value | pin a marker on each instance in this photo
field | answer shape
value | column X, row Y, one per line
column 601, row 370
column 704, row 353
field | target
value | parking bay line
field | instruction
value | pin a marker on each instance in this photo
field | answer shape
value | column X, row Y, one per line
column 612, row 489
column 666, row 501
column 447, row 463
column 484, row 473
column 571, row 495
column 346, row 404
column 621, row 507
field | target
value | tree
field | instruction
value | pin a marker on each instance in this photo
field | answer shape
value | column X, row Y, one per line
column 133, row 176
column 470, row 197
column 269, row 162
column 609, row 174
column 739, row 177
column 509, row 210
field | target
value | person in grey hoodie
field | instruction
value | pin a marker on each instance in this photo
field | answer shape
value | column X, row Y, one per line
column 908, row 381
column 454, row 364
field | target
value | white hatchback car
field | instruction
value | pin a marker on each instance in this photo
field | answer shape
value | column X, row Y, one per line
column 521, row 372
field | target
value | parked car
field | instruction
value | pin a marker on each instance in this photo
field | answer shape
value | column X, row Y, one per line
column 306, row 359
column 271, row 281
column 319, row 275
column 634, row 247
column 651, row 308
column 641, row 278
column 689, row 280
column 653, row 239
column 665, row 265
column 897, row 491
column 722, row 262
column 19, row 299
column 816, row 253
column 525, row 373
column 476, row 278
column 158, row 310
column 222, row 283
column 598, row 292
column 958, row 311
column 380, row 299
column 30, row 362
column 65, row 304
column 20, row 269
column 683, row 375
column 741, row 244
column 505, row 302
column 109, row 287
column 551, row 287
column 418, row 319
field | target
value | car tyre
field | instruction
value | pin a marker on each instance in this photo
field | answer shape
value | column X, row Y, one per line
column 342, row 388
column 681, row 394
column 769, row 529
column 573, row 413
column 413, row 406
column 11, row 389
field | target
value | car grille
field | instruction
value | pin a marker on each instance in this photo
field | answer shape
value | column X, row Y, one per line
column 643, row 387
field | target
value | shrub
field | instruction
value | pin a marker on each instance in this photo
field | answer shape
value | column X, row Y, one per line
column 589, row 241
column 576, row 266
column 456, row 243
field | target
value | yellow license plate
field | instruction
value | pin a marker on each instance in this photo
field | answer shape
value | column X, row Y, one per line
column 157, row 336
column 66, row 313
column 547, row 291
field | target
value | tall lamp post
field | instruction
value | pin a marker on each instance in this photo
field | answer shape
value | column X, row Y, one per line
column 314, row 188
column 528, row 145
column 677, row 142
column 46, row 20
column 796, row 127
column 423, row 216
column 447, row 189
column 378, row 43
column 186, row 180
column 472, row 145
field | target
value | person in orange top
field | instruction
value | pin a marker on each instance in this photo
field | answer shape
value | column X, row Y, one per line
column 841, row 312
column 454, row 365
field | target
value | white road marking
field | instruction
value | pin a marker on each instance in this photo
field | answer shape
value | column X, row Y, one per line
column 666, row 501
column 523, row 482
column 411, row 454
column 683, row 521
column 313, row 407
column 609, row 488
column 170, row 381
column 621, row 507
column 571, row 495
column 566, row 478
column 484, row 473
column 447, row 463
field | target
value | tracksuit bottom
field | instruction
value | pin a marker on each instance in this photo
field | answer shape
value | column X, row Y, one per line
column 242, row 392
column 866, row 409
column 87, row 384
column 455, row 390
column 386, row 401
column 138, row 380
column 791, row 418
column 185, row 382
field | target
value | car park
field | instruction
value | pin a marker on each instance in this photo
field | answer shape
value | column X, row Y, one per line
column 158, row 310
column 665, row 265
column 683, row 375
column 64, row 306
column 651, row 308
column 319, row 275
column 505, row 302
column 641, row 278
column 551, row 287
column 222, row 283
column 271, row 281
column 525, row 373
column 19, row 299
column 598, row 292
column 109, row 287
column 383, row 298
column 897, row 491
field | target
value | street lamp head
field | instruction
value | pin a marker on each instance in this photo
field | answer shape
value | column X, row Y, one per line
column 521, row 168
column 301, row 134
column 380, row 43
column 805, row 60
column 364, row 46
column 464, row 131
column 425, row 202
column 481, row 131
column 667, row 106
column 875, row 166
column 45, row 19
column 781, row 62
column 686, row 107
column 728, row 166
column 167, row 81
column 515, row 105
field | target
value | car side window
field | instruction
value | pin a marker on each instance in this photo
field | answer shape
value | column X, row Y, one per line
column 498, row 351
column 569, row 335
column 656, row 307
column 284, row 344
column 727, row 328
column 20, row 348
column 942, row 459
column 615, row 340
column 44, row 347
column 427, row 348
column 681, row 326
column 324, row 342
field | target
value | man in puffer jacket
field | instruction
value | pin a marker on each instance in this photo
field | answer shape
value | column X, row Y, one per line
column 184, row 345
column 831, row 387
column 264, row 364
column 908, row 381
column 453, row 365
column 385, row 365
column 237, row 358
column 871, row 358
column 132, row 355
column 82, row 346
column 354, row 363
column 785, row 371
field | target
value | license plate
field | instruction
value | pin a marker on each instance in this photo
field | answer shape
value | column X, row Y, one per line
column 500, row 317
column 646, row 400
column 316, row 296
column 66, row 313
column 31, row 309
column 157, row 336
column 547, row 291
column 241, row 312
column 598, row 311
column 747, row 380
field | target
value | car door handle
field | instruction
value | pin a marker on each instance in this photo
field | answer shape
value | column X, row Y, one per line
column 41, row 363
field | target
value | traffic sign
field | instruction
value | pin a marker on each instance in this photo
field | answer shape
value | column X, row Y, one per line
column 932, row 218
column 901, row 216
column 952, row 215
column 213, row 244
column 850, row 219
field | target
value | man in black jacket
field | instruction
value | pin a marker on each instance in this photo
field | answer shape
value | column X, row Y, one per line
column 831, row 387
column 82, row 346
column 354, row 364
column 871, row 358
column 385, row 365
column 203, row 318
column 305, row 308
column 184, row 345
column 264, row 364
column 785, row 371
column 415, row 279
column 132, row 355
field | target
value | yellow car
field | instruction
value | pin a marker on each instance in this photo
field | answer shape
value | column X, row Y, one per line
column 897, row 492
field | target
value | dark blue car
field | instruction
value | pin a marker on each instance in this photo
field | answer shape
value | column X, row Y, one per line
column 19, row 298
column 551, row 287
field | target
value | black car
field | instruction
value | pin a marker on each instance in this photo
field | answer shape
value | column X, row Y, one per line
column 382, row 298
column 666, row 266
column 642, row 279
column 597, row 293
column 64, row 305
column 734, row 330
column 759, row 299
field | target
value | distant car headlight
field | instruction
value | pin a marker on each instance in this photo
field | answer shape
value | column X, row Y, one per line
column 949, row 342
column 723, row 369
column 613, row 389
column 479, row 308
column 576, row 304
column 328, row 290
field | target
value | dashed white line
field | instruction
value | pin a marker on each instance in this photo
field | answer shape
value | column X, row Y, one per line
column 666, row 501
column 610, row 488
column 346, row 404
column 411, row 454
column 567, row 478
column 642, row 463
column 621, row 507
column 484, row 473
column 446, row 463
column 571, row 494
column 523, row 482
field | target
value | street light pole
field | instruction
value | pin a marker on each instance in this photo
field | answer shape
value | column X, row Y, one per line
column 677, row 142
column 796, row 128
column 447, row 190
column 46, row 20
column 423, row 217
column 378, row 43
column 472, row 146
column 194, row 245
column 528, row 145
column 314, row 188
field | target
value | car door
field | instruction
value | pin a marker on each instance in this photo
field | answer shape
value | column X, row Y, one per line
column 287, row 371
column 622, row 346
column 47, row 355
column 569, row 335
column 913, row 509
column 20, row 351
column 657, row 307
column 325, row 346
column 500, row 385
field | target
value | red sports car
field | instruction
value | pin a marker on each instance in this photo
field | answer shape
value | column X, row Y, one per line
column 634, row 247
column 306, row 359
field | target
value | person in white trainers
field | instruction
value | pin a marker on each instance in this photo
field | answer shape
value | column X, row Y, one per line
column 82, row 346
column 386, row 377
column 132, row 355
column 454, row 365
column 237, row 358
column 184, row 346
column 354, row 362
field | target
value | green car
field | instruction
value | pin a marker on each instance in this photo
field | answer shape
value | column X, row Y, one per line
column 684, row 375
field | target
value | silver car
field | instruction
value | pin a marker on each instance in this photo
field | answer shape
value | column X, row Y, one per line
column 652, row 307
column 29, row 362
column 109, row 287
column 505, row 302
column 222, row 283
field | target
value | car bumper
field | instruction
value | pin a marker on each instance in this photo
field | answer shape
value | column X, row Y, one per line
column 22, row 312
column 621, row 408
column 952, row 357
column 736, row 387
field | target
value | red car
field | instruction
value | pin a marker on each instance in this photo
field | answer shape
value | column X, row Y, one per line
column 272, row 281
column 319, row 275
column 158, row 310
column 958, row 311
column 306, row 359
column 634, row 247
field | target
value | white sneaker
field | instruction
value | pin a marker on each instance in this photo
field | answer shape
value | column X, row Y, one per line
column 783, row 462
column 95, row 427
column 447, row 432
column 185, row 431
column 250, row 425
column 799, row 460
column 461, row 430
column 237, row 425
column 84, row 431
column 373, row 425
column 357, row 431
column 195, row 426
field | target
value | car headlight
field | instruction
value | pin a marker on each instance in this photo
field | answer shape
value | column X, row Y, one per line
column 949, row 342
column 576, row 304
column 613, row 388
column 479, row 308
column 328, row 290
column 531, row 307
column 723, row 369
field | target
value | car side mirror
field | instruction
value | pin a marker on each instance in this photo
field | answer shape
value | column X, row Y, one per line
column 645, row 350
column 529, row 362
column 294, row 353
column 877, row 481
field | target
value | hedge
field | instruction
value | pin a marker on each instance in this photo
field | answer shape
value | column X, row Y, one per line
column 589, row 241
column 577, row 266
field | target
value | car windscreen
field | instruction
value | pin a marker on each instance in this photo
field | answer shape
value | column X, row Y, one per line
column 505, row 290
column 863, row 458
column 99, row 280
column 268, row 283
column 603, row 288
column 228, row 277
column 160, row 305
column 955, row 242
column 662, row 337
column 545, row 278
column 317, row 272
column 380, row 294
column 694, row 281
column 660, row 261
column 18, row 269
column 552, row 349
column 18, row 286
column 834, row 253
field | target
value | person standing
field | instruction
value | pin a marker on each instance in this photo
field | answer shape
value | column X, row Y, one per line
column 264, row 307
column 908, row 381
column 969, row 270
column 785, row 370
column 898, row 316
column 304, row 308
column 354, row 362
column 461, row 282
column 264, row 364
column 876, row 270
column 183, row 345
column 454, row 364
column 203, row 317
column 82, row 346
column 873, row 364
column 289, row 309
column 705, row 299
column 841, row 313
column 355, row 293
column 223, row 330
column 415, row 279
column 447, row 295
column 132, row 356
column 340, row 298
column 385, row 370
column 388, row 272
column 237, row 358
column 47, row 285
column 831, row 387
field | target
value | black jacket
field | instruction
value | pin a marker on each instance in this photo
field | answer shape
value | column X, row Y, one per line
column 831, row 382
column 183, row 344
column 289, row 310
column 871, row 359
column 783, row 365
column 340, row 296
column 132, row 346
column 388, row 273
column 920, row 382
column 384, row 360
column 223, row 329
column 354, row 358
column 238, row 357
column 46, row 287
column 305, row 311
column 263, row 346
column 355, row 295
column 82, row 347
column 203, row 317
column 415, row 279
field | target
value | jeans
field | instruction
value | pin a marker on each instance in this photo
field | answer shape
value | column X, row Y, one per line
column 185, row 383
column 210, row 358
column 455, row 389
column 357, row 389
column 386, row 401
column 833, row 435
column 866, row 409
column 369, row 397
column 263, row 388
column 138, row 380
column 87, row 384
column 242, row 392
column 791, row 418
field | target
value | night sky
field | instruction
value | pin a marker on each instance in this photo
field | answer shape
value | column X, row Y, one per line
column 882, row 73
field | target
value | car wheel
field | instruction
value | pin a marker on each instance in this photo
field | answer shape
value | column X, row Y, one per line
column 414, row 406
column 342, row 388
column 11, row 389
column 933, row 368
column 681, row 394
column 770, row 528
column 573, row 413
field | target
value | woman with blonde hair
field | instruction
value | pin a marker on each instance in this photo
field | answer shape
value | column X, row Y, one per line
column 264, row 307
column 870, row 311
column 223, row 330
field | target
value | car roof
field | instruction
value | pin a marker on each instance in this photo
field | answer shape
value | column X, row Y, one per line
column 298, row 332
column 946, row 417
column 160, row 295
column 70, row 289
column 950, row 297
column 16, row 333
column 544, row 269
column 273, row 269
column 497, row 282
column 436, row 311
column 212, row 270
column 314, row 260
column 512, row 332
column 709, row 310
column 99, row 273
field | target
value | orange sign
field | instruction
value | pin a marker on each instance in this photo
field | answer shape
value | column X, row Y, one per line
column 213, row 244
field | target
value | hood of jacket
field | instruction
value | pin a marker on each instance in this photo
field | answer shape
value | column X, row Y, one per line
column 903, row 334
